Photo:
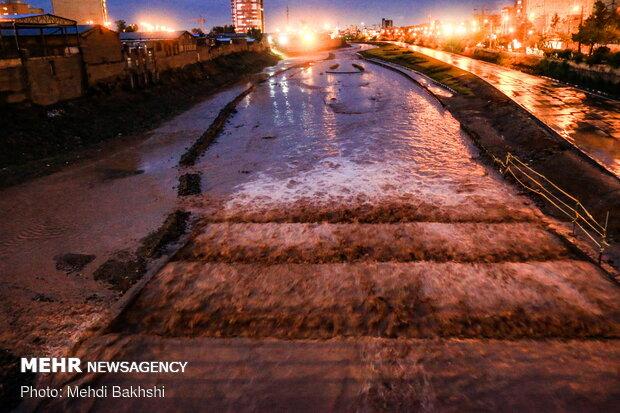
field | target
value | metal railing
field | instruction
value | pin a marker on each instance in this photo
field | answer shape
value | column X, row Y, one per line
column 567, row 204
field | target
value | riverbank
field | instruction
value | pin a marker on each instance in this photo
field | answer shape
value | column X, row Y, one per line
column 41, row 140
column 72, row 242
column 500, row 126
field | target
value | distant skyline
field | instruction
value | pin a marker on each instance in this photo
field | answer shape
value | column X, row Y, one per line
column 182, row 14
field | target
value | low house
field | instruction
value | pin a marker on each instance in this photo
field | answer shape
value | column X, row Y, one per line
column 40, row 59
column 161, row 50
column 101, row 53
column 41, row 35
column 233, row 38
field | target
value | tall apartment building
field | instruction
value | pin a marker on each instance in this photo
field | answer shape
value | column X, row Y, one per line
column 17, row 7
column 387, row 23
column 248, row 14
column 82, row 11
column 520, row 9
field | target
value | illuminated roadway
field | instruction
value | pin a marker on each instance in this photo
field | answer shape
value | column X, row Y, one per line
column 590, row 122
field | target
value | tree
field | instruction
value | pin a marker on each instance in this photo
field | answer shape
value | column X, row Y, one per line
column 256, row 34
column 601, row 28
column 198, row 31
column 222, row 29
column 121, row 25
column 555, row 20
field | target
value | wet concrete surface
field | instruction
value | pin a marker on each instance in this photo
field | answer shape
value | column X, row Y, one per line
column 348, row 242
column 590, row 122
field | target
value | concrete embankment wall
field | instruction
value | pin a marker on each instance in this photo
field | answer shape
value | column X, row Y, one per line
column 41, row 80
column 53, row 79
column 12, row 84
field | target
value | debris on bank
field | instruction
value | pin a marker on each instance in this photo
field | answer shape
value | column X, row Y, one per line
column 72, row 263
column 189, row 184
column 126, row 268
column 154, row 245
column 190, row 157
column 122, row 271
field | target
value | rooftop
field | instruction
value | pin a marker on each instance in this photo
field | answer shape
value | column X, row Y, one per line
column 35, row 20
column 45, row 30
column 140, row 36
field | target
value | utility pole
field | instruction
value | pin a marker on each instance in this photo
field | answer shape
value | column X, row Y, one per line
column 287, row 16
column 202, row 24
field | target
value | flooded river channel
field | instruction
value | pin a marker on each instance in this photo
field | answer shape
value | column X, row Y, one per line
column 352, row 252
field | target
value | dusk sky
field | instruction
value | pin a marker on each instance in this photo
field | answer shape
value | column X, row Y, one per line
column 181, row 13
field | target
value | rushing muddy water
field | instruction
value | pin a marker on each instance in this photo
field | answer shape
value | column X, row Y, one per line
column 312, row 138
column 331, row 164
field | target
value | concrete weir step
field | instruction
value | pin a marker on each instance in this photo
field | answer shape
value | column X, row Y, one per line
column 356, row 375
column 565, row 299
column 469, row 208
column 319, row 243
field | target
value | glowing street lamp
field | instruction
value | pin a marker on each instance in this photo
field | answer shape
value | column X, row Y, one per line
column 308, row 38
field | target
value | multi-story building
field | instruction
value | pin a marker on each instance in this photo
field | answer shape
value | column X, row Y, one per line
column 542, row 14
column 509, row 20
column 248, row 14
column 12, row 7
column 386, row 23
column 82, row 11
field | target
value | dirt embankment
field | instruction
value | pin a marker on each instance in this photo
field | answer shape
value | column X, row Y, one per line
column 499, row 126
column 38, row 140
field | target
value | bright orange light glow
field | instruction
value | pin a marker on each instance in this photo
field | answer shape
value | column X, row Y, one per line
column 283, row 39
column 447, row 30
column 150, row 27
column 308, row 38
